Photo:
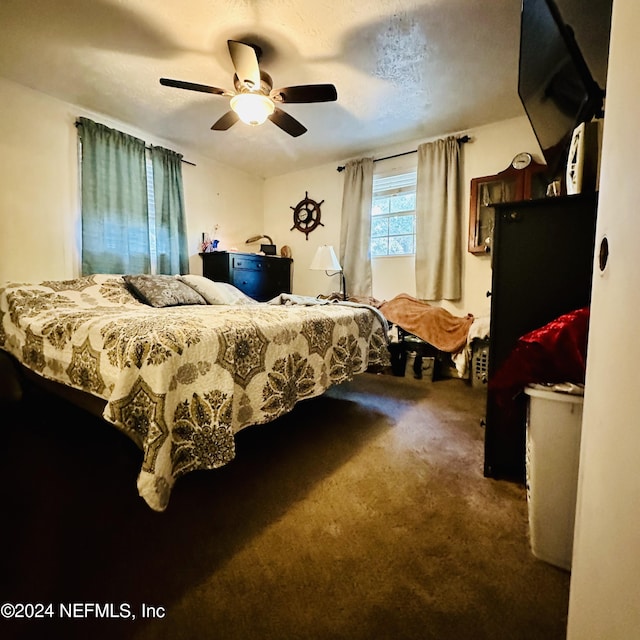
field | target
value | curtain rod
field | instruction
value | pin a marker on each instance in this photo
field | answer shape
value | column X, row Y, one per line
column 146, row 146
column 193, row 164
column 461, row 140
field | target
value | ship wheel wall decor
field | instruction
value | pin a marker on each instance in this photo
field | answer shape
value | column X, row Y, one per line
column 306, row 215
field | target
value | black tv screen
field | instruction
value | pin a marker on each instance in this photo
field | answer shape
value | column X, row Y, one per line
column 554, row 83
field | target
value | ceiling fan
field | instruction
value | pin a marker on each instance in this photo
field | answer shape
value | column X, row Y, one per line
column 254, row 99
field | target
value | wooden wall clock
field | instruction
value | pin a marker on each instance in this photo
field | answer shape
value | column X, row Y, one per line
column 306, row 215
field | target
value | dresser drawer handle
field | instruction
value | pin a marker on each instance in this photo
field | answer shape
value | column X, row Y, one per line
column 248, row 264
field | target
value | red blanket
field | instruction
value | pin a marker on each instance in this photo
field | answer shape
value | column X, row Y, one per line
column 556, row 352
column 432, row 324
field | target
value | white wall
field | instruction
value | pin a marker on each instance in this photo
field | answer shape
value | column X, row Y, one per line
column 605, row 581
column 491, row 150
column 39, row 202
column 322, row 184
column 38, row 192
column 216, row 194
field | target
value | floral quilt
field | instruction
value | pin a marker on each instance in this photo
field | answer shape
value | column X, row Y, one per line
column 182, row 380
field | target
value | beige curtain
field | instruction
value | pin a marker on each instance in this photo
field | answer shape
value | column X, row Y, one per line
column 355, row 232
column 438, row 221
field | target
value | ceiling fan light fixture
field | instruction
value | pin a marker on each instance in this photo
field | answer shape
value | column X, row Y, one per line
column 254, row 99
column 252, row 108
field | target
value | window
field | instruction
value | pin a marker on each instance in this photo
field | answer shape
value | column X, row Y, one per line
column 393, row 215
column 151, row 204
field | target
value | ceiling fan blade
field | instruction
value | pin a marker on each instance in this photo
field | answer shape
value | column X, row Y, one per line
column 192, row 86
column 226, row 121
column 306, row 93
column 245, row 62
column 287, row 123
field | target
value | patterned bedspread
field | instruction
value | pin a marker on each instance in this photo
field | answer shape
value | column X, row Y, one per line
column 181, row 381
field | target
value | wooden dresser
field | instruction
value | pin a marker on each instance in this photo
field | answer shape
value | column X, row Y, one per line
column 261, row 277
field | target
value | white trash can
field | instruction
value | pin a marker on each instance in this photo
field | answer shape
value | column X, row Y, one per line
column 554, row 425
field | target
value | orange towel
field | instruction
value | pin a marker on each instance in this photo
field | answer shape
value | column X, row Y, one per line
column 432, row 324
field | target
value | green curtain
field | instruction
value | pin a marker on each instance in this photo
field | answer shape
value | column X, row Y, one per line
column 171, row 237
column 115, row 228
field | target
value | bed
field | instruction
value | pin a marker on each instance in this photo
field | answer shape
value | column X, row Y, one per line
column 180, row 364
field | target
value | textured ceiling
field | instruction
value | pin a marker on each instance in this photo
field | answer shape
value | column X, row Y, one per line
column 403, row 69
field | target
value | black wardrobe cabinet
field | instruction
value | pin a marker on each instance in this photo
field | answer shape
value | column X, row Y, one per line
column 542, row 265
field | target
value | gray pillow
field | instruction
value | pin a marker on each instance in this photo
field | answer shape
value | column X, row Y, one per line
column 162, row 290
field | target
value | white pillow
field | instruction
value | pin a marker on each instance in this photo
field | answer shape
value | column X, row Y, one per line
column 233, row 295
column 216, row 292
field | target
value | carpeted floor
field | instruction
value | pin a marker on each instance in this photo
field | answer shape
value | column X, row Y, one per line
column 363, row 514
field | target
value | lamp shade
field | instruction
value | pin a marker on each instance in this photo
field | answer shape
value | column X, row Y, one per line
column 252, row 108
column 325, row 259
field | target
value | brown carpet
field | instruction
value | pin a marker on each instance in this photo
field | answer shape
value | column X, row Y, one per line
column 363, row 514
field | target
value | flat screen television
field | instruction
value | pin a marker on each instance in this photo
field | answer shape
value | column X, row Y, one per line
column 555, row 85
